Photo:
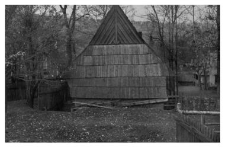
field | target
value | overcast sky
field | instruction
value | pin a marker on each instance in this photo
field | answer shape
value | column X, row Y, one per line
column 140, row 11
column 140, row 14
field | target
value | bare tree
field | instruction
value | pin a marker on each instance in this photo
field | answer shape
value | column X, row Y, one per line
column 165, row 18
column 70, row 27
column 218, row 47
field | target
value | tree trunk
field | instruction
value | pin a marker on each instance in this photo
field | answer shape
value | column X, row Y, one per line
column 176, row 40
column 28, row 94
column 205, row 80
column 6, row 101
column 31, row 88
column 218, row 48
column 172, row 39
column 30, row 66
column 70, row 25
column 199, row 81
column 69, row 48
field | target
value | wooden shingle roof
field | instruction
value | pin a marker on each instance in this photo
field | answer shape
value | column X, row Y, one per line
column 116, row 29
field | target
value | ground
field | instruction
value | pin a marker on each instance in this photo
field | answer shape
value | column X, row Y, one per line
column 139, row 124
column 24, row 124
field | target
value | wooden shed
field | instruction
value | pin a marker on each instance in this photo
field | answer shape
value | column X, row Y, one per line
column 118, row 65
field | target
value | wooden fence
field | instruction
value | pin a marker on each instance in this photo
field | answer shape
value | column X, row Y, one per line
column 188, row 130
column 192, row 103
column 51, row 94
column 199, row 103
column 15, row 91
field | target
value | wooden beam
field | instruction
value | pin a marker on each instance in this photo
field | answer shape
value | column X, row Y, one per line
column 217, row 132
column 212, row 124
column 116, row 22
column 81, row 103
column 173, row 96
column 196, row 112
column 144, row 102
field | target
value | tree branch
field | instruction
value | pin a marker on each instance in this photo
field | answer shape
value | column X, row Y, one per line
column 64, row 15
column 159, row 28
column 74, row 18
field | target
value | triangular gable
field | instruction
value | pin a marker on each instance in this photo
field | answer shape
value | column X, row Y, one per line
column 116, row 29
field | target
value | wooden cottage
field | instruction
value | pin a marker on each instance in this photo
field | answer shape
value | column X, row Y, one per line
column 118, row 65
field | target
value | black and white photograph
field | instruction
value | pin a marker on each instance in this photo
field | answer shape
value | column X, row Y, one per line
column 116, row 73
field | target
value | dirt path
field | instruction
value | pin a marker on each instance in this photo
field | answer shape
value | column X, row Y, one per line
column 89, row 125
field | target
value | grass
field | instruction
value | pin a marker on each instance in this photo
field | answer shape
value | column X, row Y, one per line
column 24, row 124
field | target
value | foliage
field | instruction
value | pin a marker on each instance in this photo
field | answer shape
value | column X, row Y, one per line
column 30, row 38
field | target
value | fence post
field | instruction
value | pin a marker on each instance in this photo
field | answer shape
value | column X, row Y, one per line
column 177, row 133
column 203, row 119
column 194, row 104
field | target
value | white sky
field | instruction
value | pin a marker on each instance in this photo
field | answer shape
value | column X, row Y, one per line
column 140, row 14
column 140, row 11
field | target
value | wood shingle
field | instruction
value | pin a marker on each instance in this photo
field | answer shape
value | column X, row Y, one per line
column 116, row 29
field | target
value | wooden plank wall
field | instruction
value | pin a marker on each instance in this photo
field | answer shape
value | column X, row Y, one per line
column 118, row 71
column 15, row 91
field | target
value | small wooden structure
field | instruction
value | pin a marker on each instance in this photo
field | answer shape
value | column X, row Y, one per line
column 118, row 65
column 52, row 95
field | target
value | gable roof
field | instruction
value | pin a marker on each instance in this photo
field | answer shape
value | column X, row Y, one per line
column 116, row 29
